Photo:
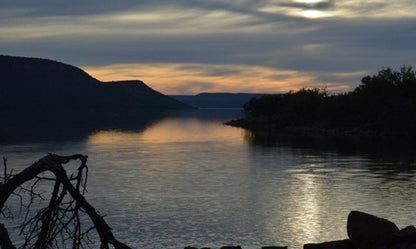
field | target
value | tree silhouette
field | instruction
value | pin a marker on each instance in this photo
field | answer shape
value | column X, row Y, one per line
column 59, row 223
column 384, row 103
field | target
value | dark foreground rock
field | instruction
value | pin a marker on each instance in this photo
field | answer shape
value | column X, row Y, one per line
column 338, row 244
column 239, row 247
column 367, row 231
column 407, row 234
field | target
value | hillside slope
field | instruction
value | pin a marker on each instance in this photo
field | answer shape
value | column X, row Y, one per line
column 41, row 84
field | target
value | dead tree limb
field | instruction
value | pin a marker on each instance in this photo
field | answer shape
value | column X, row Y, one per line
column 49, row 217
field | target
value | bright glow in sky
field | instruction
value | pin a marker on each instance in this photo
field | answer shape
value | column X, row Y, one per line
column 196, row 78
column 321, row 42
column 314, row 14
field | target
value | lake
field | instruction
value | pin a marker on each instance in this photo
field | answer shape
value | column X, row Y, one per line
column 186, row 179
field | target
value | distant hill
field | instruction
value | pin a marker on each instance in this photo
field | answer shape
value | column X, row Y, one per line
column 42, row 84
column 217, row 100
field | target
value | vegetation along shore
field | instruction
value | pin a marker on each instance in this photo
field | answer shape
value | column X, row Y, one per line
column 382, row 105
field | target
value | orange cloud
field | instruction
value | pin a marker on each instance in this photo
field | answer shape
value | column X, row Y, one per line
column 189, row 78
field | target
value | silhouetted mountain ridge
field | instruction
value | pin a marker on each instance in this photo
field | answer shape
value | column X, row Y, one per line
column 33, row 83
column 217, row 100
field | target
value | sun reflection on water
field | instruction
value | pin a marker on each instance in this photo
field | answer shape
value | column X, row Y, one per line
column 166, row 131
column 308, row 207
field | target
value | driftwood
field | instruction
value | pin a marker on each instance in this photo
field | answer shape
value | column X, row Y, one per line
column 59, row 221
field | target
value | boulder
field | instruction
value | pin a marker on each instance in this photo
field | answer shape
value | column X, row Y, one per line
column 367, row 231
column 337, row 244
column 407, row 234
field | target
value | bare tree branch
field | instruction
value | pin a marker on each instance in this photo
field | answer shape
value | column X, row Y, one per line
column 59, row 216
column 5, row 169
column 5, row 242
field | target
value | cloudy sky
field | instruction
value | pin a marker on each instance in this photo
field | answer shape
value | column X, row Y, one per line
column 192, row 46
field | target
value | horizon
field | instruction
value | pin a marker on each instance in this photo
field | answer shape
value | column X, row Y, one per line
column 115, row 80
column 190, row 47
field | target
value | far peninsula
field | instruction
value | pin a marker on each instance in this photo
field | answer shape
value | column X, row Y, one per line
column 383, row 105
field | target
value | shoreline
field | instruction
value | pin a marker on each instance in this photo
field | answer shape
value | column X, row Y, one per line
column 320, row 131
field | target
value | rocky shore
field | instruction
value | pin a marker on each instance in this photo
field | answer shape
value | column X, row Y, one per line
column 364, row 231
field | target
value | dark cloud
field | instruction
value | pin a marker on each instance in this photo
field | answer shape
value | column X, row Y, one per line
column 359, row 36
column 73, row 7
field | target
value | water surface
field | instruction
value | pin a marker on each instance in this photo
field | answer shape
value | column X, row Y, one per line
column 187, row 179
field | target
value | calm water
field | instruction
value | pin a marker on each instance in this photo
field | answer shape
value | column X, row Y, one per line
column 186, row 179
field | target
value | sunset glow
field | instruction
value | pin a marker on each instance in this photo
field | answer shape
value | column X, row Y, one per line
column 195, row 78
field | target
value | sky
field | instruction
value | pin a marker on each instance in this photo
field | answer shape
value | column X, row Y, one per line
column 193, row 46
